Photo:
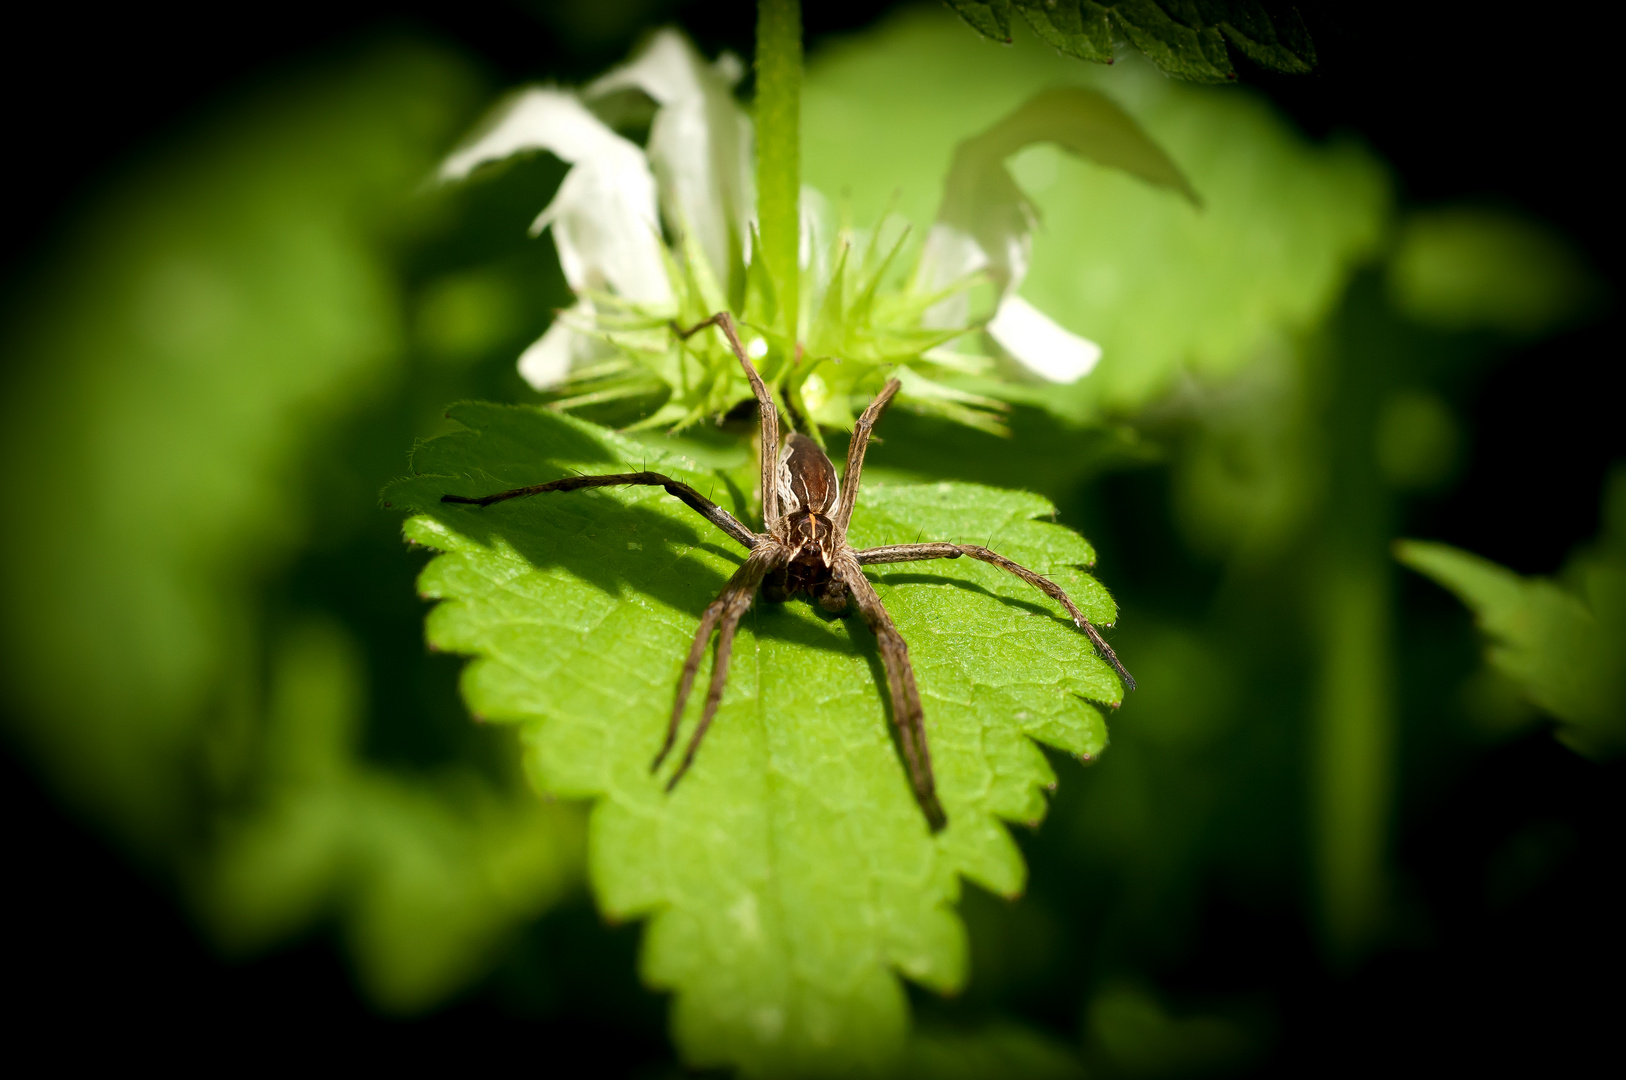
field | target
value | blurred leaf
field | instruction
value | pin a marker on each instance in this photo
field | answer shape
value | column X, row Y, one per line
column 1563, row 642
column 462, row 316
column 1163, row 288
column 1135, row 1034
column 225, row 316
column 1418, row 440
column 1185, row 38
column 791, row 873
column 997, row 1050
column 428, row 874
column 1463, row 268
column 202, row 330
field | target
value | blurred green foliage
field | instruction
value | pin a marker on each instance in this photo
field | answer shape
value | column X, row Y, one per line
column 213, row 650
column 206, row 383
column 1561, row 643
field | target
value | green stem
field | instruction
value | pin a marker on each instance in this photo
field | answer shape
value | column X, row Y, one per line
column 778, row 134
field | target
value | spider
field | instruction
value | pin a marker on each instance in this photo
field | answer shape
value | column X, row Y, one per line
column 803, row 548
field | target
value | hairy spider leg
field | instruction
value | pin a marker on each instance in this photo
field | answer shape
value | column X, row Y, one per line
column 696, row 501
column 723, row 614
column 907, row 712
column 765, row 406
column 855, row 454
column 893, row 553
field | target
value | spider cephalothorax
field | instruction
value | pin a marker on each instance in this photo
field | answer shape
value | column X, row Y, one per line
column 803, row 548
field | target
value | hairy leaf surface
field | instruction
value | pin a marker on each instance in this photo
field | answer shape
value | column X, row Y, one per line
column 790, row 877
column 1184, row 38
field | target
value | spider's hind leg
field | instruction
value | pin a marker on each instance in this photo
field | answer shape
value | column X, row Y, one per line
column 723, row 615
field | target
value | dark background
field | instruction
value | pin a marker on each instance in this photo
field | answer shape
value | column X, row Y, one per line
column 98, row 961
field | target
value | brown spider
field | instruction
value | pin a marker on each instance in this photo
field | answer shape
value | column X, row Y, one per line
column 803, row 548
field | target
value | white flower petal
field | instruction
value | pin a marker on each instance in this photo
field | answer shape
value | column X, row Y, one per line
column 949, row 255
column 667, row 70
column 542, row 118
column 549, row 359
column 603, row 220
column 699, row 144
column 817, row 234
column 603, row 216
column 1039, row 344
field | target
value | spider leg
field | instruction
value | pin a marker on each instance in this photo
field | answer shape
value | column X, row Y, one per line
column 855, row 454
column 727, row 610
column 696, row 501
column 907, row 713
column 893, row 553
column 765, row 406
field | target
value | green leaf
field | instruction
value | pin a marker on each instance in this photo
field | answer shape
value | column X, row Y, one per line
column 1176, row 38
column 1133, row 1031
column 1274, row 39
column 790, row 878
column 1166, row 290
column 1004, row 1050
column 1563, row 643
column 429, row 875
column 990, row 18
column 1185, row 38
column 1077, row 27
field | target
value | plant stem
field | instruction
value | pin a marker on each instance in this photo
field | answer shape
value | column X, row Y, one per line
column 778, row 136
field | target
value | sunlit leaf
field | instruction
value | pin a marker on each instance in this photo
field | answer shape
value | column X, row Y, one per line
column 790, row 878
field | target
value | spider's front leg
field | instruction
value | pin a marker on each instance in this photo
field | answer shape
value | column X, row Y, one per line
column 692, row 498
column 907, row 712
column 893, row 553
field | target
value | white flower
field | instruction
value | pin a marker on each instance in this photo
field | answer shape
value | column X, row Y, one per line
column 1046, row 349
column 695, row 178
column 699, row 143
column 604, row 217
column 985, row 223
